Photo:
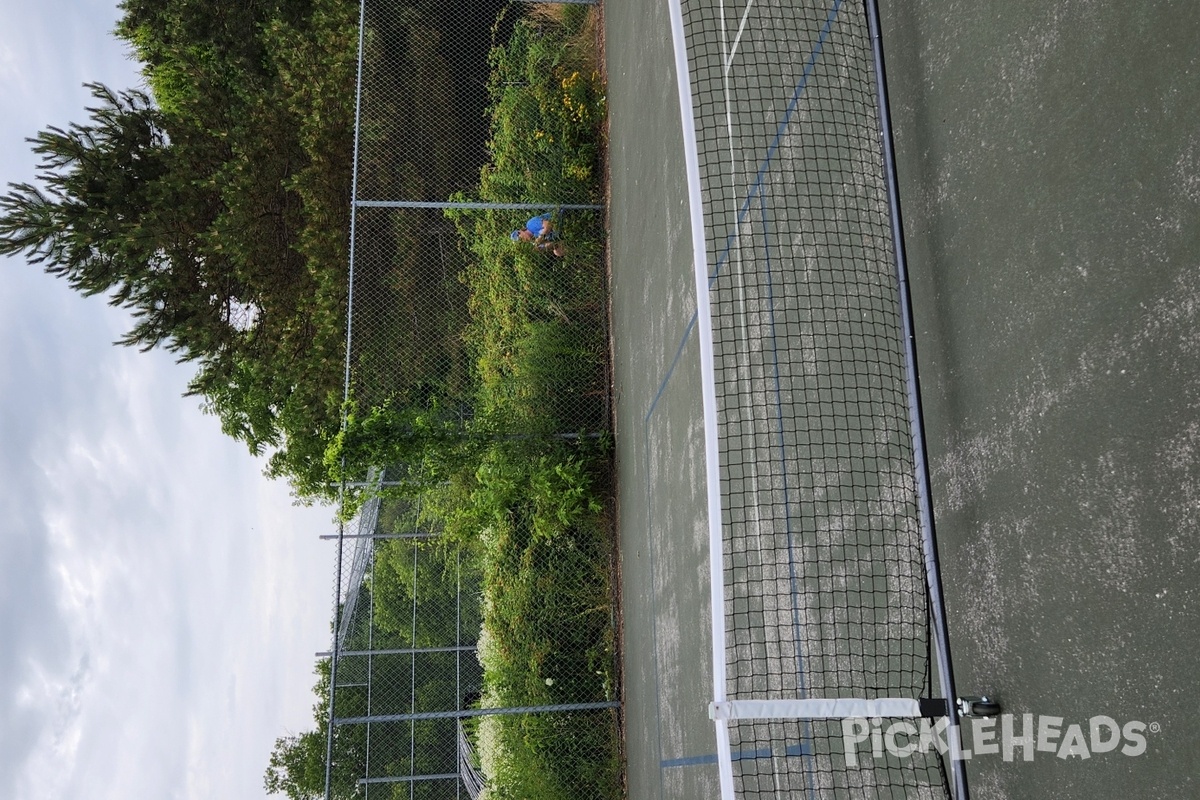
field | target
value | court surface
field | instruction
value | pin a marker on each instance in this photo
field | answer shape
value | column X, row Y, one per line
column 1050, row 168
column 664, row 543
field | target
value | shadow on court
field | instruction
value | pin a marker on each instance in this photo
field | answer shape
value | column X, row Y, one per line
column 1049, row 158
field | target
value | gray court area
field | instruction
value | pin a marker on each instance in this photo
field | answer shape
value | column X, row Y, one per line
column 1050, row 170
column 664, row 544
column 1050, row 161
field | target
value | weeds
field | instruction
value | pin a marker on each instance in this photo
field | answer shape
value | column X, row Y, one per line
column 519, row 483
column 533, row 511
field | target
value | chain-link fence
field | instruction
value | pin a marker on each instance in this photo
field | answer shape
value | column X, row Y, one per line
column 442, row 694
column 474, row 645
column 472, row 120
column 405, row 649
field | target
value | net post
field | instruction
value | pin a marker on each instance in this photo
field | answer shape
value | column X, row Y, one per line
column 941, row 631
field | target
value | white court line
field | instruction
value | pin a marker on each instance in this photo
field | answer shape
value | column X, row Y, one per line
column 707, row 391
column 738, row 38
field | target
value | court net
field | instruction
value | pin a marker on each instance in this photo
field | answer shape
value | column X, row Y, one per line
column 820, row 586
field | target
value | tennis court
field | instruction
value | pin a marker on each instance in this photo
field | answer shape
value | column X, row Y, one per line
column 1054, row 276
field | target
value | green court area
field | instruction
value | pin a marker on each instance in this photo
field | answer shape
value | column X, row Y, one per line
column 1049, row 159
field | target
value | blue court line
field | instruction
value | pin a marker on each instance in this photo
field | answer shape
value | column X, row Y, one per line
column 756, row 188
column 799, row 749
column 711, row 758
column 690, row 761
column 756, row 191
column 662, row 387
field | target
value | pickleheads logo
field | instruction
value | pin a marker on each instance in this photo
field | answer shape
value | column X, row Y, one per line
column 1004, row 735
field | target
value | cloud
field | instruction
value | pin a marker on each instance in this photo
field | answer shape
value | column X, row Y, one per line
column 35, row 669
column 160, row 601
column 10, row 71
column 171, row 571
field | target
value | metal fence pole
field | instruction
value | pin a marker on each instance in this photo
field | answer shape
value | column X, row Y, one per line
column 402, row 651
column 408, row 778
column 477, row 206
column 479, row 712
column 461, row 757
column 362, row 11
column 335, row 537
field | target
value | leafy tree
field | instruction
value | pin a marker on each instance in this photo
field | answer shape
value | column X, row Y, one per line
column 297, row 764
column 297, row 767
column 111, row 217
column 216, row 208
column 217, row 211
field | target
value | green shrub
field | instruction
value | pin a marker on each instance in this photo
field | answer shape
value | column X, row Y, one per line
column 519, row 482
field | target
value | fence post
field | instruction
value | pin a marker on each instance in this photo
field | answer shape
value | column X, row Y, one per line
column 476, row 205
column 467, row 713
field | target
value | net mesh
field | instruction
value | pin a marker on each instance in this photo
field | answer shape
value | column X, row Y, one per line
column 825, row 589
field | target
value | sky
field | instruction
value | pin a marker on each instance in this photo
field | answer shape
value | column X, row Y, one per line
column 161, row 601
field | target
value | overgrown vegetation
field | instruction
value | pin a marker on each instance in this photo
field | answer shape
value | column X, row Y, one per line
column 514, row 470
column 216, row 210
column 523, row 487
